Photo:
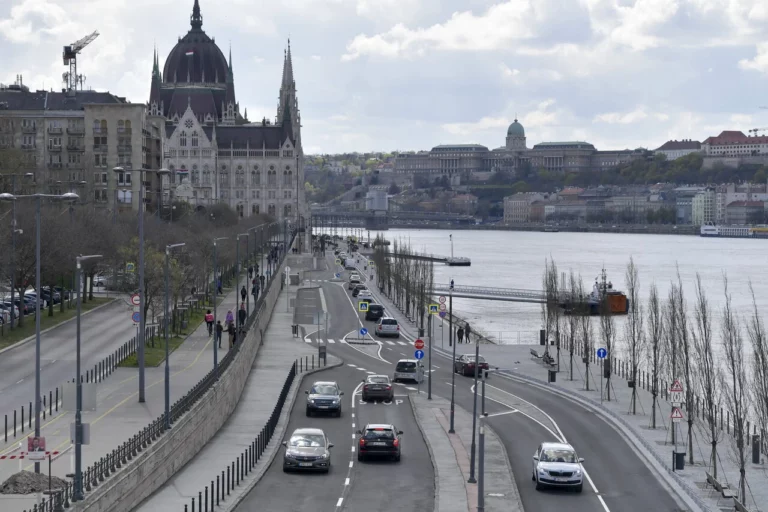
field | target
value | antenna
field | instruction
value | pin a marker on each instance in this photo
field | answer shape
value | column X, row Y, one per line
column 70, row 59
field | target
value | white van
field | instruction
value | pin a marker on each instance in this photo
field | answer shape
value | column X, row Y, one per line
column 408, row 369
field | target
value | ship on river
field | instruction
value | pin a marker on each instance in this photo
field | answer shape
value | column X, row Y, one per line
column 717, row 231
column 602, row 293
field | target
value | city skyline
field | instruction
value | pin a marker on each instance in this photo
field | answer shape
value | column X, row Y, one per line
column 375, row 76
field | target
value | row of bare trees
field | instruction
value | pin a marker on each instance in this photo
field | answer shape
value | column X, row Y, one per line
column 725, row 390
column 71, row 230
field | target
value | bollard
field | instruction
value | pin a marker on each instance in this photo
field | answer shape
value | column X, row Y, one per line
column 306, row 362
column 22, row 418
column 50, row 403
column 30, row 415
column 43, row 407
column 193, row 504
column 217, row 490
column 227, row 480
column 212, row 506
column 206, row 498
column 233, row 475
column 185, row 507
column 200, row 500
column 222, row 485
column 313, row 361
column 237, row 470
column 57, row 398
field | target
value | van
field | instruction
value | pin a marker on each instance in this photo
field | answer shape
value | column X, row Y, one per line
column 353, row 281
column 375, row 311
column 408, row 369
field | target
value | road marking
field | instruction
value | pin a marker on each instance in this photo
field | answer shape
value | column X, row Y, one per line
column 435, row 366
column 402, row 353
column 343, row 341
column 371, row 373
column 350, row 463
column 352, row 365
column 353, row 399
column 331, row 341
column 346, row 482
column 338, row 503
column 353, row 436
column 363, row 370
column 353, row 449
column 412, row 389
column 401, row 343
column 353, row 425
column 20, row 381
column 389, row 342
column 322, row 300
column 502, row 413
column 353, row 415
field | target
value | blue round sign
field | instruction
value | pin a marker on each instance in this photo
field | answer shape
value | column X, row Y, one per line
column 601, row 353
column 338, row 275
column 363, row 331
column 442, row 314
column 419, row 354
column 136, row 317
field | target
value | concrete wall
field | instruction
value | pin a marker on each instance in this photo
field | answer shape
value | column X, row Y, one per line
column 137, row 480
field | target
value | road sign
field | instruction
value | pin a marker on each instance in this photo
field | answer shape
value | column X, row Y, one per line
column 676, row 398
column 677, row 415
column 130, row 267
column 371, row 263
column 363, row 331
column 136, row 317
column 362, row 307
column 418, row 344
column 287, row 268
column 442, row 314
column 442, row 299
column 419, row 354
column 433, row 309
column 442, row 307
column 676, row 386
column 338, row 275
column 136, row 299
column 601, row 353
column 338, row 261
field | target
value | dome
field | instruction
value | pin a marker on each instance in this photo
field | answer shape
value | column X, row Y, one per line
column 196, row 58
column 515, row 130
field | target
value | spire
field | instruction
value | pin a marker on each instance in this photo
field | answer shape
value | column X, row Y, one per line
column 288, row 66
column 155, row 64
column 230, row 70
column 197, row 19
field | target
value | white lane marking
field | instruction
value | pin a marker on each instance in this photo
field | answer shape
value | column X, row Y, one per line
column 350, row 463
column 353, row 436
column 435, row 366
column 389, row 348
column 353, row 425
column 353, row 415
column 502, row 413
column 362, row 369
column 389, row 342
column 353, row 449
column 352, row 365
column 306, row 340
column 20, row 381
column 353, row 402
column 401, row 343
column 331, row 341
column 402, row 353
column 343, row 341
column 346, row 482
column 412, row 389
column 322, row 300
column 338, row 503
column 371, row 373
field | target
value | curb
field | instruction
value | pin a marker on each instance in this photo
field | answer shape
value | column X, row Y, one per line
column 680, row 488
column 492, row 433
column 30, row 338
column 272, row 448
column 435, row 482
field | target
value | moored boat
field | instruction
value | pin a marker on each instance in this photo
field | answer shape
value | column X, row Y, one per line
column 603, row 293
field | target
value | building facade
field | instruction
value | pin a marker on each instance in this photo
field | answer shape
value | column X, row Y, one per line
column 703, row 207
column 674, row 149
column 213, row 152
column 741, row 213
column 517, row 207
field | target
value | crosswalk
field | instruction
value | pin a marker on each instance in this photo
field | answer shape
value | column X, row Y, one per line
column 331, row 341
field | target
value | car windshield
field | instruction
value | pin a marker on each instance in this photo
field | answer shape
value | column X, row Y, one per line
column 307, row 441
column 405, row 366
column 378, row 380
column 375, row 307
column 557, row 455
column 379, row 433
column 324, row 389
column 389, row 321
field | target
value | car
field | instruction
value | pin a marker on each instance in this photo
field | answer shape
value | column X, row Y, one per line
column 357, row 289
column 365, row 296
column 408, row 369
column 465, row 365
column 349, row 265
column 307, row 449
column 377, row 386
column 375, row 311
column 324, row 396
column 387, row 326
column 379, row 440
column 557, row 465
column 354, row 280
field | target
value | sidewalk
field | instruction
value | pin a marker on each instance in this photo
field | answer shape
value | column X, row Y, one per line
column 450, row 458
column 278, row 352
column 119, row 415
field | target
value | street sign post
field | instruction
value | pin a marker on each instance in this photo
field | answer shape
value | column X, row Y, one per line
column 363, row 331
column 442, row 307
column 419, row 354
column 442, row 314
column 676, row 394
column 418, row 344
column 338, row 262
column 677, row 415
column 136, row 317
column 135, row 299
column 338, row 275
column 130, row 267
column 442, row 299
column 601, row 353
column 433, row 309
column 362, row 307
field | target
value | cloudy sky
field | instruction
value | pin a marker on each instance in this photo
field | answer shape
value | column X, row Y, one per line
column 411, row 74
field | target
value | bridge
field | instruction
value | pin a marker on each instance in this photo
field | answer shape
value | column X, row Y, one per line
column 491, row 293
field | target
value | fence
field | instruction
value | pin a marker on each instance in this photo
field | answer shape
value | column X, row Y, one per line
column 100, row 470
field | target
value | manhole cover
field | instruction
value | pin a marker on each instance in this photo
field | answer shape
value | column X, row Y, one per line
column 496, row 494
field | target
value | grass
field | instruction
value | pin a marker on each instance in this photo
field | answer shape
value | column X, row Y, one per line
column 10, row 337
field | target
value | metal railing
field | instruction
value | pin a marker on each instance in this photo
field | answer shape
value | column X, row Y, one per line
column 479, row 291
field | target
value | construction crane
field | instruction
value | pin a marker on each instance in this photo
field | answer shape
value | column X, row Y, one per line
column 70, row 59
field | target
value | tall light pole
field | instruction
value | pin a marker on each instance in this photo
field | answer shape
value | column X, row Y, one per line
column 243, row 235
column 215, row 302
column 451, row 341
column 14, row 231
column 166, row 318
column 69, row 196
column 78, row 483
column 474, row 407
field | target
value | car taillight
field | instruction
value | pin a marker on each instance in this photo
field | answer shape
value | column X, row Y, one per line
column 398, row 327
column 362, row 442
column 365, row 387
column 396, row 442
column 389, row 387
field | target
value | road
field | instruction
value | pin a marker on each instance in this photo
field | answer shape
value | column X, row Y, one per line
column 101, row 332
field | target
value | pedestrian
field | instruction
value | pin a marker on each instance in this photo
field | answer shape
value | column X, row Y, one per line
column 218, row 287
column 243, row 292
column 193, row 291
column 219, row 330
column 250, row 272
column 209, row 321
column 255, row 293
column 231, row 331
column 262, row 280
column 230, row 319
column 242, row 314
column 460, row 334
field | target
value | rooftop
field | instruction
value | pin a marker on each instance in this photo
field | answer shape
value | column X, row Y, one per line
column 672, row 145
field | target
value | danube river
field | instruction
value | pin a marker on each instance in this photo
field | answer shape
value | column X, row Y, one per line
column 515, row 259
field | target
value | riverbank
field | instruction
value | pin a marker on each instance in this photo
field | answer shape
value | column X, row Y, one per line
column 580, row 228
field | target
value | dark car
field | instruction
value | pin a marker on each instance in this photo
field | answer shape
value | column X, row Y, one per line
column 465, row 364
column 375, row 311
column 378, row 386
column 357, row 289
column 379, row 440
column 307, row 449
column 324, row 397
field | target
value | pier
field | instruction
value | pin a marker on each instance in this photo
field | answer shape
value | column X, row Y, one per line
column 450, row 261
column 491, row 293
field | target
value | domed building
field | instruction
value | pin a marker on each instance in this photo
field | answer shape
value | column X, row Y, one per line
column 516, row 137
column 215, row 154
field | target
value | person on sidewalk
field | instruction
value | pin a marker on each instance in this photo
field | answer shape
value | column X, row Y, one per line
column 242, row 314
column 219, row 331
column 460, row 334
column 250, row 272
column 219, row 287
column 230, row 319
column 255, row 293
column 262, row 280
column 243, row 293
column 209, row 321
column 231, row 331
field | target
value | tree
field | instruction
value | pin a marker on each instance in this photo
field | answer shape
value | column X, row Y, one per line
column 393, row 189
column 608, row 335
column 671, row 342
column 635, row 333
column 572, row 324
column 708, row 370
column 759, row 341
column 655, row 339
column 686, row 358
column 552, row 309
column 585, row 323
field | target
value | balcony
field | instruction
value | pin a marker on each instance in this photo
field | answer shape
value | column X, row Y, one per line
column 100, row 148
column 29, row 129
column 55, row 165
column 100, row 131
column 55, row 130
column 55, row 148
column 75, row 147
column 76, row 130
column 124, row 149
column 127, row 131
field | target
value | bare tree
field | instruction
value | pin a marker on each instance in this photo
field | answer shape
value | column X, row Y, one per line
column 686, row 359
column 608, row 335
column 735, row 385
column 572, row 324
column 708, row 370
column 759, row 341
column 551, row 281
column 655, row 345
column 635, row 333
column 585, row 324
column 671, row 342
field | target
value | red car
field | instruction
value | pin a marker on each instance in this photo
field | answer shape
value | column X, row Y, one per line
column 465, row 365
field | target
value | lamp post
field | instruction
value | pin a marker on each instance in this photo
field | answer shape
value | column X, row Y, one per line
column 166, row 316
column 78, row 483
column 215, row 302
column 243, row 235
column 161, row 173
column 69, row 196
column 474, row 407
column 14, row 230
column 451, row 341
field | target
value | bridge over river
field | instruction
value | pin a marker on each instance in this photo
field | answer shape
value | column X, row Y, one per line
column 491, row 293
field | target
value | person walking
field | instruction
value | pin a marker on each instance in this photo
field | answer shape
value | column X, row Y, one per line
column 255, row 293
column 209, row 321
column 243, row 293
column 460, row 334
column 231, row 331
column 219, row 287
column 262, row 280
column 242, row 314
column 219, row 331
column 250, row 272
column 230, row 319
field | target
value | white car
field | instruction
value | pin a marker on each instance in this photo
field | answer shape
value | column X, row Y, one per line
column 365, row 294
column 557, row 465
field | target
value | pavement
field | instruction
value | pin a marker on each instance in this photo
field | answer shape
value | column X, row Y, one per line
column 119, row 415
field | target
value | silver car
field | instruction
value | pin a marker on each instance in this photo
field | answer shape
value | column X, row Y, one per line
column 307, row 449
column 387, row 326
column 556, row 465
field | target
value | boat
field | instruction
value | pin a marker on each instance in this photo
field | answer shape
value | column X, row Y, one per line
column 602, row 293
column 717, row 231
column 458, row 262
column 551, row 230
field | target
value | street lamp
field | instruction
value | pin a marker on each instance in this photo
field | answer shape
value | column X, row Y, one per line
column 161, row 172
column 245, row 235
column 78, row 490
column 474, row 407
column 69, row 196
column 166, row 320
column 14, row 230
column 215, row 301
column 451, row 341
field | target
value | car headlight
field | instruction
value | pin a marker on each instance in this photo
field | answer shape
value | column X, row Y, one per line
column 577, row 472
column 324, row 456
column 335, row 400
column 311, row 400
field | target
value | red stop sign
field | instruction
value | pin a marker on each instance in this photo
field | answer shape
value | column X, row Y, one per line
column 418, row 344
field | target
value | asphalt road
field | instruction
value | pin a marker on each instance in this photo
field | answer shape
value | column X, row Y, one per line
column 100, row 333
column 523, row 417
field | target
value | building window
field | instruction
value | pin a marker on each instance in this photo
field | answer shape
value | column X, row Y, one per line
column 240, row 176
column 272, row 177
column 183, row 139
column 255, row 176
column 240, row 210
column 224, row 176
column 195, row 140
column 195, row 175
column 287, row 210
column 271, row 210
column 287, row 177
column 255, row 209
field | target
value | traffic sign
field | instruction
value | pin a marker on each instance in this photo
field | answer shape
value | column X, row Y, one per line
column 371, row 263
column 287, row 268
column 442, row 314
column 363, row 331
column 676, row 398
column 338, row 261
column 419, row 354
column 676, row 386
column 136, row 299
column 677, row 415
column 136, row 317
column 442, row 299
column 362, row 307
column 130, row 267
column 601, row 353
column 418, row 344
column 442, row 307
column 433, row 309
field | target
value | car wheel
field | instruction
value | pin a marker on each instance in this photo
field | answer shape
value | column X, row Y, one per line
column 365, row 398
column 533, row 477
column 338, row 413
column 396, row 458
column 397, row 336
column 309, row 413
column 286, row 469
column 539, row 486
column 579, row 487
column 360, row 457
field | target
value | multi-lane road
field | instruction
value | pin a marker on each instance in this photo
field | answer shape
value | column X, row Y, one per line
column 617, row 478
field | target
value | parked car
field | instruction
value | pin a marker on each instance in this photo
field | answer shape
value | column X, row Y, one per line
column 307, row 449
column 465, row 364
column 325, row 397
column 357, row 289
column 388, row 326
column 379, row 440
column 354, row 280
column 365, row 296
column 557, row 465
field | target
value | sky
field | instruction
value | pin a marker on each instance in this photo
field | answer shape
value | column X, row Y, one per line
column 385, row 75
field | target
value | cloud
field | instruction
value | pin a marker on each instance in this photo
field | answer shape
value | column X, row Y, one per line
column 486, row 123
column 316, row 57
column 759, row 62
column 637, row 115
column 32, row 20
